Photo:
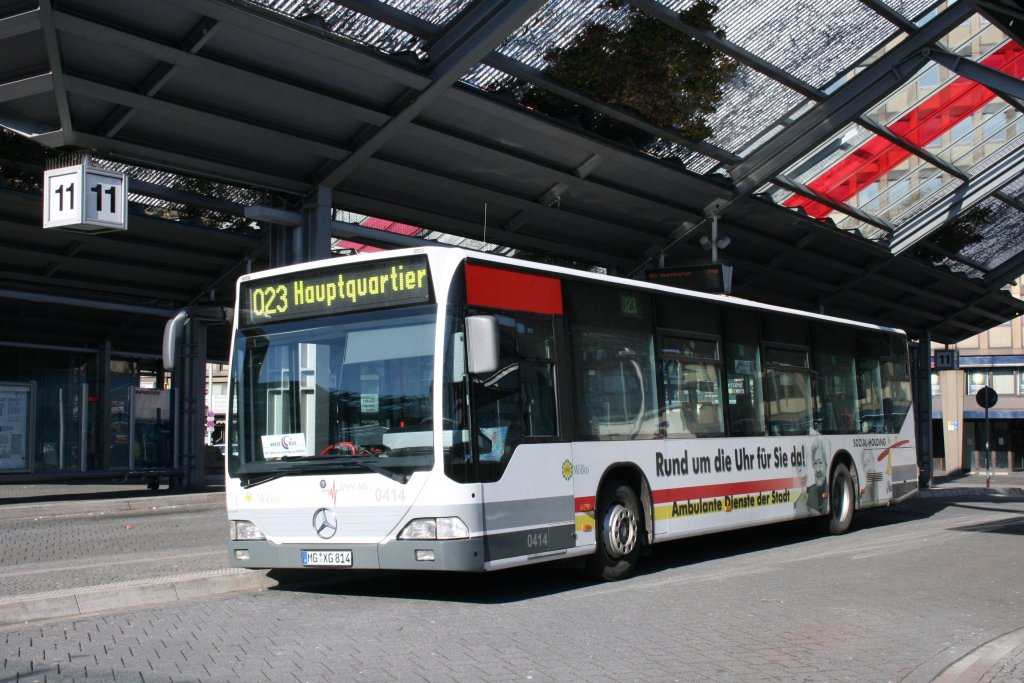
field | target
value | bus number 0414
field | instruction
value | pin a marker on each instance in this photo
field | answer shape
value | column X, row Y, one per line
column 537, row 540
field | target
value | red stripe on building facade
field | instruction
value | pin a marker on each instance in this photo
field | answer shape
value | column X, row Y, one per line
column 938, row 114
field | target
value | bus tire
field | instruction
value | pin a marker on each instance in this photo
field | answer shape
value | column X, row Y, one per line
column 619, row 528
column 841, row 501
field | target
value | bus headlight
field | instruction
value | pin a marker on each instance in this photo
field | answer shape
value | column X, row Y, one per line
column 434, row 528
column 244, row 530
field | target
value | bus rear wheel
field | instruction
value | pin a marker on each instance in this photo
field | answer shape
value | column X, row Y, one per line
column 618, row 533
column 841, row 501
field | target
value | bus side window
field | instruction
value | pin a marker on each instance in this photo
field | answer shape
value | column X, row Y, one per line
column 612, row 347
column 691, row 385
column 869, row 383
column 745, row 398
column 895, row 383
column 834, row 364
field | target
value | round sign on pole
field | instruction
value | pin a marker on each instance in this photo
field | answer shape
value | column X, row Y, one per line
column 987, row 397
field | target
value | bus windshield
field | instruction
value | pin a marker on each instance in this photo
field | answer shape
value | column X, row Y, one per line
column 349, row 394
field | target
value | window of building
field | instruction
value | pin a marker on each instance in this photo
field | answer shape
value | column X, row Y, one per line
column 976, row 379
column 1002, row 380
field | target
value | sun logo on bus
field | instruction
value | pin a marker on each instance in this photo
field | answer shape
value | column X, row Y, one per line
column 567, row 470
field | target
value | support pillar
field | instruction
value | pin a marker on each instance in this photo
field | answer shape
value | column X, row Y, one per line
column 193, row 403
column 922, row 389
column 309, row 238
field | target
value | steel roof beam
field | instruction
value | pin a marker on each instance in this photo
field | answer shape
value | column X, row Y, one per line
column 970, row 263
column 391, row 16
column 174, row 56
column 264, row 22
column 490, row 26
column 1006, row 272
column 1007, row 87
column 842, row 207
column 26, row 87
column 467, row 188
column 846, row 103
column 153, row 82
column 228, row 123
column 414, row 215
column 891, row 15
column 183, row 162
column 19, row 24
column 572, row 178
column 53, row 56
column 91, row 304
column 916, row 150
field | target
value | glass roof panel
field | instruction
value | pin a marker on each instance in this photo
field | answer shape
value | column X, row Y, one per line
column 751, row 101
column 812, row 41
column 438, row 12
column 360, row 28
column 906, row 190
column 910, row 9
column 1001, row 225
column 952, row 117
column 978, row 241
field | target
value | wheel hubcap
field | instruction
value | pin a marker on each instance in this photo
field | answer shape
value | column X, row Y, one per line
column 621, row 527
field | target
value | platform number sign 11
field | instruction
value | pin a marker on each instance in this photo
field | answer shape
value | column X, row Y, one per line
column 85, row 199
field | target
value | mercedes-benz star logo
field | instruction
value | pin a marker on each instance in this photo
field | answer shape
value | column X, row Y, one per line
column 325, row 523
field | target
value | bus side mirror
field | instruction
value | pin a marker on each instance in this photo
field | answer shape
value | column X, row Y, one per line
column 481, row 344
column 172, row 339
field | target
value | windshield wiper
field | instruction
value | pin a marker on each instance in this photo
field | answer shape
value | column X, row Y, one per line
column 261, row 479
column 322, row 463
column 361, row 462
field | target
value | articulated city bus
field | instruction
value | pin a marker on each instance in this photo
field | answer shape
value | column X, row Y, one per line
column 440, row 409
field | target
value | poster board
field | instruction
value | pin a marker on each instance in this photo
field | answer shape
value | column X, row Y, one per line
column 15, row 426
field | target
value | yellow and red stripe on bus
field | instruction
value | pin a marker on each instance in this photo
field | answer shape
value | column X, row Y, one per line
column 709, row 498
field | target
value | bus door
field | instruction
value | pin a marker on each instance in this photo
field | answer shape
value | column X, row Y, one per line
column 525, row 471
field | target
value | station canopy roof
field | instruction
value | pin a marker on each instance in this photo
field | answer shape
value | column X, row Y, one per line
column 865, row 160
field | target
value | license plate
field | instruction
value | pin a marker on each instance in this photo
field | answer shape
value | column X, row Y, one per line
column 326, row 558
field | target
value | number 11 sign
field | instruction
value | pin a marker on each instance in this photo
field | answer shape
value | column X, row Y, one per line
column 85, row 199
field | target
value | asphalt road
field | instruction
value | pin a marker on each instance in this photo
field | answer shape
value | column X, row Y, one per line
column 930, row 590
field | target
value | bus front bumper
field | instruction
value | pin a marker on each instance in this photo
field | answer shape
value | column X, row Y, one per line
column 465, row 555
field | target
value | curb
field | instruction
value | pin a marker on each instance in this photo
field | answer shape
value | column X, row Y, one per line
column 20, row 609
column 110, row 505
column 970, row 491
column 979, row 665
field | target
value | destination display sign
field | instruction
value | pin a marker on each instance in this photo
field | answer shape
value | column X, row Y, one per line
column 714, row 279
column 338, row 289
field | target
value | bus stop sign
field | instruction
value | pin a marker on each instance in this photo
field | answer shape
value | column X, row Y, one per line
column 987, row 397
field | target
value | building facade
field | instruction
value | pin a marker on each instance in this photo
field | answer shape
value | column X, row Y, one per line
column 961, row 425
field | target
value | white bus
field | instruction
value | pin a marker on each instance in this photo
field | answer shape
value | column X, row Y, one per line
column 440, row 409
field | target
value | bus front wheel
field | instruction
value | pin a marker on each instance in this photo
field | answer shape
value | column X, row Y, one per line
column 618, row 533
column 841, row 501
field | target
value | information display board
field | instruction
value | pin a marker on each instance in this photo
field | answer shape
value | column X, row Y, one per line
column 338, row 289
